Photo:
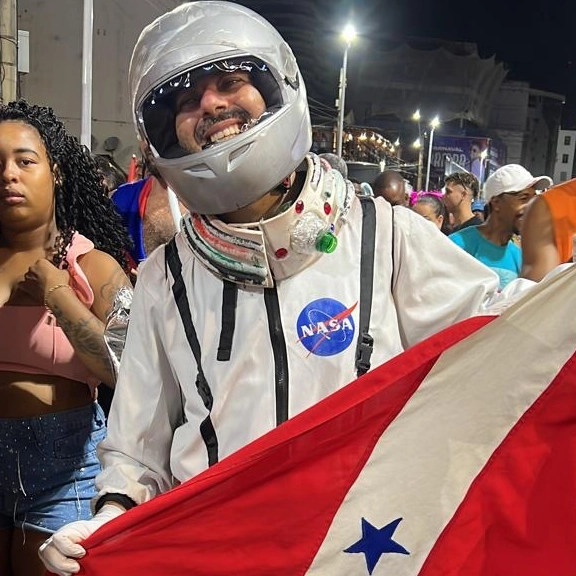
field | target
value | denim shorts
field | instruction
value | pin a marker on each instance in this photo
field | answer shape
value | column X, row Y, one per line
column 47, row 468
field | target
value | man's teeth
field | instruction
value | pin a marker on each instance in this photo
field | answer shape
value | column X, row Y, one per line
column 226, row 133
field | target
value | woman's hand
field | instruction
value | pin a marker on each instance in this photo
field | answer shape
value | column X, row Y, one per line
column 40, row 278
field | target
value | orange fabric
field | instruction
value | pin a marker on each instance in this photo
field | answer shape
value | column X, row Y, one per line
column 561, row 201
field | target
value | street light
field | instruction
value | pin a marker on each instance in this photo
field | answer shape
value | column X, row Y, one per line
column 418, row 145
column 348, row 34
column 433, row 125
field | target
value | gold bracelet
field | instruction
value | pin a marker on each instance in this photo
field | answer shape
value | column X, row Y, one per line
column 50, row 290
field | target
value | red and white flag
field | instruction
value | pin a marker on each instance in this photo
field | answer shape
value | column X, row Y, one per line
column 457, row 457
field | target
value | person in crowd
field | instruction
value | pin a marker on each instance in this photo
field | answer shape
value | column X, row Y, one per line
column 357, row 186
column 478, row 209
column 337, row 162
column 145, row 210
column 111, row 174
column 259, row 307
column 391, row 186
column 409, row 189
column 431, row 207
column 60, row 247
column 461, row 189
column 548, row 231
column 508, row 191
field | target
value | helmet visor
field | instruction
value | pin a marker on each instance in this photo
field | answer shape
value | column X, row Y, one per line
column 250, row 89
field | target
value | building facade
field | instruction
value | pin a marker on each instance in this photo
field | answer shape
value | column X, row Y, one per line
column 565, row 148
column 528, row 121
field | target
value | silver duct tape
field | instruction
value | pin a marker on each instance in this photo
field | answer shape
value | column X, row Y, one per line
column 306, row 232
column 117, row 326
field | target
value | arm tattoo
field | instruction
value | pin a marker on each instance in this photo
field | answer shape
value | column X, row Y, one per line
column 110, row 288
column 85, row 335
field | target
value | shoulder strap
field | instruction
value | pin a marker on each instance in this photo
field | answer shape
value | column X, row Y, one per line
column 229, row 301
column 179, row 290
column 365, row 342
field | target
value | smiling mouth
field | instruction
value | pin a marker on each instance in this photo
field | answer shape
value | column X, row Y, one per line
column 225, row 134
column 233, row 130
column 222, row 135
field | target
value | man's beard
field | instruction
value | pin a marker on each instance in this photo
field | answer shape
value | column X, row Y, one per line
column 244, row 118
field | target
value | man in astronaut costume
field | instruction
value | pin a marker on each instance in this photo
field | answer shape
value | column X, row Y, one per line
column 272, row 285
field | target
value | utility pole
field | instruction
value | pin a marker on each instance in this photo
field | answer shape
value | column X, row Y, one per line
column 420, row 167
column 87, row 32
column 8, row 51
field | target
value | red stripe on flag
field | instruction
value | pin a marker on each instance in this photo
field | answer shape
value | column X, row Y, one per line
column 267, row 508
column 519, row 516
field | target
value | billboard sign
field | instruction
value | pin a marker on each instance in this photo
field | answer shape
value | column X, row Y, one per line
column 480, row 156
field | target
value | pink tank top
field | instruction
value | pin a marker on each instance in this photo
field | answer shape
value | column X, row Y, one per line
column 34, row 344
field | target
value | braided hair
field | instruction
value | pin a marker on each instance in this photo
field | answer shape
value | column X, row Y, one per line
column 81, row 202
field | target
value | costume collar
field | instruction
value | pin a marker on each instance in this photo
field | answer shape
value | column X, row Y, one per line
column 259, row 253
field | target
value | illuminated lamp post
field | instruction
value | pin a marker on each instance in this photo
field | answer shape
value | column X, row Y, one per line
column 418, row 145
column 348, row 35
column 433, row 125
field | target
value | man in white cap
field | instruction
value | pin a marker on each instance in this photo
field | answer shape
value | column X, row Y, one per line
column 262, row 304
column 507, row 192
column 548, row 231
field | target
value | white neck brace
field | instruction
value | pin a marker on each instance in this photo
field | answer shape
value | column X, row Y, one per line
column 258, row 253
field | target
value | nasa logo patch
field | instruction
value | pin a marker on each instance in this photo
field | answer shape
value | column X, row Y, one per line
column 325, row 327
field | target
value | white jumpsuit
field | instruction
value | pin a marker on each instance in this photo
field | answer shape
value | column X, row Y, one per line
column 290, row 348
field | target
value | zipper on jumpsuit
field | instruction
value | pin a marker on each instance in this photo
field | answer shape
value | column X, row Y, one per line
column 280, row 353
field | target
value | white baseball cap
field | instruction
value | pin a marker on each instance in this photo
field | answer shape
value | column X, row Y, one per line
column 513, row 178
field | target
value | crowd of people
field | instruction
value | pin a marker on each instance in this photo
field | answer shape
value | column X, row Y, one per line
column 267, row 296
column 491, row 227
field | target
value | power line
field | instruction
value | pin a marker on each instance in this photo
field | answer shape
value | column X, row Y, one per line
column 322, row 105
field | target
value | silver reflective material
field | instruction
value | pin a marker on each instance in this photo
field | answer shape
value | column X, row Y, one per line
column 307, row 231
column 117, row 326
column 233, row 173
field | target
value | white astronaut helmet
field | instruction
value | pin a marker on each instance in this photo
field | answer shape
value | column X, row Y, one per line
column 203, row 37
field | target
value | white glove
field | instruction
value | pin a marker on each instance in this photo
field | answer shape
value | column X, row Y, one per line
column 59, row 551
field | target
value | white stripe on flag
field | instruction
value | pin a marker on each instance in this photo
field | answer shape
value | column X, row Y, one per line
column 424, row 463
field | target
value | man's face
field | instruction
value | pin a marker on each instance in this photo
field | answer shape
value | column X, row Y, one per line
column 454, row 196
column 216, row 108
column 511, row 207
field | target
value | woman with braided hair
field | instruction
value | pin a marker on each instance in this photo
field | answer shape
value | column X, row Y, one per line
column 62, row 249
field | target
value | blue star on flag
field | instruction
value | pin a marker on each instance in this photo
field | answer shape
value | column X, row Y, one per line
column 377, row 541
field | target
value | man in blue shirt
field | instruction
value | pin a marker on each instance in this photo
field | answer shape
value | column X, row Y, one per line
column 507, row 192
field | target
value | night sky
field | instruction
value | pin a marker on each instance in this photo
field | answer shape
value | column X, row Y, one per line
column 536, row 40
